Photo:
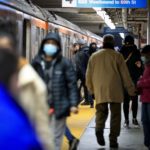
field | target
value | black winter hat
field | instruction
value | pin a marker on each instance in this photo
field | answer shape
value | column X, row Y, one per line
column 129, row 40
column 146, row 49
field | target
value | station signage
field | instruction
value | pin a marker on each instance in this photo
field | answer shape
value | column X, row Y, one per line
column 105, row 3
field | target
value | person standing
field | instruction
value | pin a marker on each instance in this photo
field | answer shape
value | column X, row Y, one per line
column 106, row 76
column 59, row 75
column 133, row 60
column 143, row 87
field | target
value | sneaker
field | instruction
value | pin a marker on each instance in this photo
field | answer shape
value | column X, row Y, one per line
column 100, row 138
column 85, row 103
column 126, row 124
column 135, row 123
column 73, row 145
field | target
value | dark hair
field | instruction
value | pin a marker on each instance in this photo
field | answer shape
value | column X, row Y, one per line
column 8, row 66
column 8, row 28
column 108, row 41
column 146, row 49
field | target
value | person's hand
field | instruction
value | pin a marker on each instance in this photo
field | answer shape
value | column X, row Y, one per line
column 138, row 64
column 74, row 110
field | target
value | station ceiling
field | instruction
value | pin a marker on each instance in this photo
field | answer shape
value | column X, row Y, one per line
column 134, row 20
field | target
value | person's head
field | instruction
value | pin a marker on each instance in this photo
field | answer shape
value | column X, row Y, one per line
column 93, row 48
column 146, row 54
column 108, row 41
column 81, row 43
column 75, row 48
column 129, row 40
column 8, row 34
column 51, row 45
column 9, row 71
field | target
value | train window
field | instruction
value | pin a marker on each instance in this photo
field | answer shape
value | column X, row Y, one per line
column 27, row 39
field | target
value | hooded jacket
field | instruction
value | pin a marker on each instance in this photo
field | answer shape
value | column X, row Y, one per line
column 60, row 79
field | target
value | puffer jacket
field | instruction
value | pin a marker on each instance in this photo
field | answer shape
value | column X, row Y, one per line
column 144, row 85
column 62, row 85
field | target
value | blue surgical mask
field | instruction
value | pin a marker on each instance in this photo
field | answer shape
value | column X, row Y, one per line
column 143, row 59
column 50, row 49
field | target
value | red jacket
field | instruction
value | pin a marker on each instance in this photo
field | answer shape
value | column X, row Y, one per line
column 144, row 85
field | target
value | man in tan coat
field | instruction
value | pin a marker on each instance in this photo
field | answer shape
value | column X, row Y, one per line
column 107, row 76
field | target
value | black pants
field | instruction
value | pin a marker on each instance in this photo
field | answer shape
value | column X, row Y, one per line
column 87, row 96
column 126, row 106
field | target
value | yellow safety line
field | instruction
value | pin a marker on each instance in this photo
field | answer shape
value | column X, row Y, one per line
column 78, row 123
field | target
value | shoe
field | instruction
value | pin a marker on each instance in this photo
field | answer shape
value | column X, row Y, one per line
column 100, row 138
column 114, row 145
column 73, row 145
column 135, row 123
column 92, row 106
column 85, row 103
column 126, row 124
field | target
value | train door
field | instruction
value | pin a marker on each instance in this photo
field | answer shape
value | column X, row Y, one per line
column 27, row 39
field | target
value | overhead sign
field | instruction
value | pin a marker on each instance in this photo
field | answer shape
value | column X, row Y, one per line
column 117, row 30
column 105, row 3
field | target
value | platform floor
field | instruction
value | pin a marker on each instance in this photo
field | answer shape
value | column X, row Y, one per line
column 130, row 139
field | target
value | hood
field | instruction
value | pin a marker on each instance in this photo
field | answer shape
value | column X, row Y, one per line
column 50, row 36
column 91, row 49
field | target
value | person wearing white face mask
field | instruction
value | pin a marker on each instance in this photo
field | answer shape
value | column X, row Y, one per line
column 60, row 78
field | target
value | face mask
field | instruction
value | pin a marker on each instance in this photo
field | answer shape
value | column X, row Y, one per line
column 145, row 59
column 50, row 49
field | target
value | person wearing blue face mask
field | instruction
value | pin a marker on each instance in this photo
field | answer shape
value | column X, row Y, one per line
column 60, row 78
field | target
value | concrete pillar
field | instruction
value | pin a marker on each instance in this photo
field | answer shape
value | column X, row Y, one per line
column 148, row 24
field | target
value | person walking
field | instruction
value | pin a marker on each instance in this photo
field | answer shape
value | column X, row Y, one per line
column 143, row 87
column 81, row 61
column 16, row 131
column 132, row 58
column 106, row 77
column 60, row 77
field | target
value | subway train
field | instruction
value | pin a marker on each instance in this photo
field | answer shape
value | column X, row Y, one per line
column 33, row 23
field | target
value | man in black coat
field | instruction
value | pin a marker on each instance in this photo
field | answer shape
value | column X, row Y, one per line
column 81, row 61
column 133, row 60
column 60, row 78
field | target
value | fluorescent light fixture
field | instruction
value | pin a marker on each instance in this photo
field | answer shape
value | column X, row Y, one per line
column 122, row 35
column 105, row 17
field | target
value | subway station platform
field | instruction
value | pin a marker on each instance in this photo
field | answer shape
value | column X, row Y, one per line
column 130, row 139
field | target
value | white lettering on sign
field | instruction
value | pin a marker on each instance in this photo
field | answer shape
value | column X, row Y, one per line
column 101, row 2
column 125, row 2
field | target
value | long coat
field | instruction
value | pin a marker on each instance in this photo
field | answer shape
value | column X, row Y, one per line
column 107, row 76
column 33, row 96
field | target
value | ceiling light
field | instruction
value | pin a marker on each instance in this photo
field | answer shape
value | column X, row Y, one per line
column 103, row 14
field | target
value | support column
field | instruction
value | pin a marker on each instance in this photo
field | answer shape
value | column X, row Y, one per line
column 148, row 24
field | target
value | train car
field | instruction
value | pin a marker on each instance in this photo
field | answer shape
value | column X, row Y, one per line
column 33, row 23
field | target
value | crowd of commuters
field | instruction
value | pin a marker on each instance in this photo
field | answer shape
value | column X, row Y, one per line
column 37, row 98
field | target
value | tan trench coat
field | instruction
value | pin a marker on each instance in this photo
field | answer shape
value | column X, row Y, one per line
column 33, row 100
column 107, row 76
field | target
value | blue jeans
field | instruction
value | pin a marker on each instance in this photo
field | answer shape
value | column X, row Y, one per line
column 146, row 123
column 68, row 134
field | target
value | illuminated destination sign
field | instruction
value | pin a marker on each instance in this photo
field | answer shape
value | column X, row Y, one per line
column 105, row 3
